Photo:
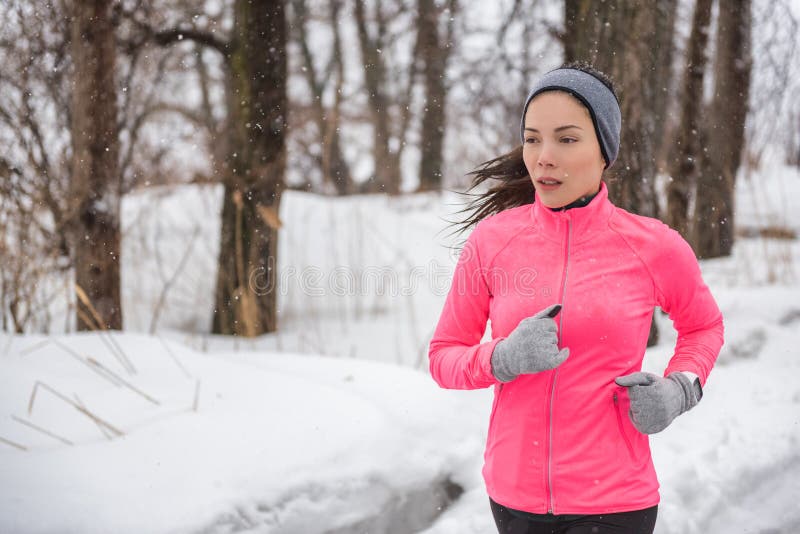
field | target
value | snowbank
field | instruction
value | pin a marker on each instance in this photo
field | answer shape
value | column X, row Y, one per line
column 278, row 442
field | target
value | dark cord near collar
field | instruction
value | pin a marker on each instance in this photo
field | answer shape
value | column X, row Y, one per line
column 581, row 202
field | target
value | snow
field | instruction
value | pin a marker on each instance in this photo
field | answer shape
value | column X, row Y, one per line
column 333, row 424
column 277, row 440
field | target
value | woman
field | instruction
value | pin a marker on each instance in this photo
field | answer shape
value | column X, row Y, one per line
column 569, row 282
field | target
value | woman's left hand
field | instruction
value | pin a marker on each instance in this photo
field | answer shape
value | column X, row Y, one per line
column 657, row 401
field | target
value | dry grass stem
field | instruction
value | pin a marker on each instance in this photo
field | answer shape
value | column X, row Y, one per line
column 96, row 324
column 248, row 311
column 110, row 377
column 103, row 430
column 162, row 298
column 124, row 382
column 270, row 216
column 33, row 398
column 174, row 358
column 196, row 396
column 36, row 346
column 40, row 429
column 85, row 411
column 13, row 444
column 112, row 344
column 86, row 319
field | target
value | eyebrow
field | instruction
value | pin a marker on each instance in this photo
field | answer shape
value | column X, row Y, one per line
column 560, row 128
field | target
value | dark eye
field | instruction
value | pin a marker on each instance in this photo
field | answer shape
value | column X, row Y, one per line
column 568, row 140
column 531, row 140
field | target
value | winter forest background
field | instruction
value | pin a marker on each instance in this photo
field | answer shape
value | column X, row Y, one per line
column 225, row 244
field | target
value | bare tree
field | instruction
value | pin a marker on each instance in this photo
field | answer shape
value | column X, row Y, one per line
column 774, row 109
column 335, row 170
column 793, row 143
column 389, row 129
column 433, row 45
column 94, row 187
column 631, row 41
column 662, row 75
column 713, row 221
column 42, row 220
column 246, row 293
column 254, row 61
column 29, row 264
column 35, row 119
column 684, row 164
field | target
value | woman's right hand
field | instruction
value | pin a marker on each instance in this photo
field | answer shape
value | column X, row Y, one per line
column 532, row 347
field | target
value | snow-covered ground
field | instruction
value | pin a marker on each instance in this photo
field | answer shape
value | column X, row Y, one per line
column 334, row 425
column 272, row 442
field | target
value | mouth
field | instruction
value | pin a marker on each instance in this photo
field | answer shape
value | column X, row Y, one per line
column 548, row 183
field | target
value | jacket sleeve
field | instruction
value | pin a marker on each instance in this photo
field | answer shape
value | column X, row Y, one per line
column 682, row 293
column 457, row 358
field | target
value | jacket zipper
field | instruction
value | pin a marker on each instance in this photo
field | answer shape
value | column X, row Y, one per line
column 550, row 499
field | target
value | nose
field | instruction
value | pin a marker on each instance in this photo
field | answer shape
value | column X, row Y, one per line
column 546, row 156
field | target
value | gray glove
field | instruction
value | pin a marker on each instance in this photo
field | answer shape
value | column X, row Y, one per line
column 530, row 348
column 656, row 401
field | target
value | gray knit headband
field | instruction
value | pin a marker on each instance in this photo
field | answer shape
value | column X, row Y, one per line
column 598, row 99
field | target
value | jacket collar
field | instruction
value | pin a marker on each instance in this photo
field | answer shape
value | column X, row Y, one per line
column 585, row 220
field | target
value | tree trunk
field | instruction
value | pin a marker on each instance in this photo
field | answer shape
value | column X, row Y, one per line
column 338, row 169
column 94, row 185
column 434, row 52
column 335, row 170
column 634, row 186
column 246, row 294
column 687, row 149
column 618, row 39
column 387, row 161
column 583, row 20
column 662, row 72
column 713, row 222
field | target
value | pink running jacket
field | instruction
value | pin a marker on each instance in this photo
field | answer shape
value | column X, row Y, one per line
column 561, row 441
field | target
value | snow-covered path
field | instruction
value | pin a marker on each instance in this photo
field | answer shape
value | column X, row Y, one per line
column 765, row 502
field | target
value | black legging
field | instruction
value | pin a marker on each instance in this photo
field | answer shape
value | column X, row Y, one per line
column 510, row 521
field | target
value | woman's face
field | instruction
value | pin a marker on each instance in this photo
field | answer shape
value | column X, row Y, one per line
column 561, row 151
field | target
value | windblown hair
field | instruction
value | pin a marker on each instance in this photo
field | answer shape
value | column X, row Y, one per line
column 514, row 186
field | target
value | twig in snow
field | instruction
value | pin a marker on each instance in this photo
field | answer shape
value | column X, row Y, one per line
column 174, row 358
column 103, row 429
column 112, row 343
column 162, row 298
column 97, row 322
column 8, row 345
column 85, row 411
column 13, row 444
column 97, row 325
column 40, row 429
column 104, row 372
column 35, row 347
column 110, row 377
column 124, row 382
column 196, row 395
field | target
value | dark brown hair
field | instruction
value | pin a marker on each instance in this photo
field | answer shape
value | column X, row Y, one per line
column 513, row 185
